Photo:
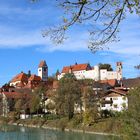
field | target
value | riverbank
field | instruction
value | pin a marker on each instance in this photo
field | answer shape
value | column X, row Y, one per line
column 104, row 127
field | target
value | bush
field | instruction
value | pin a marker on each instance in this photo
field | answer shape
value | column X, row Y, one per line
column 76, row 120
column 51, row 117
column 87, row 118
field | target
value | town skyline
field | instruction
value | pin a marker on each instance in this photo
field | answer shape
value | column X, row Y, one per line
column 22, row 45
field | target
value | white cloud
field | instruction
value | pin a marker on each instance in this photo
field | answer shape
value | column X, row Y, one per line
column 15, row 38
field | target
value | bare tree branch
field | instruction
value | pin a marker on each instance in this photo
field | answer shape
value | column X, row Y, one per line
column 105, row 14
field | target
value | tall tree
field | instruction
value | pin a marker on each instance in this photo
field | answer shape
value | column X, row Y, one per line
column 40, row 94
column 68, row 94
column 131, row 118
column 102, row 16
column 35, row 103
column 105, row 66
column 90, row 103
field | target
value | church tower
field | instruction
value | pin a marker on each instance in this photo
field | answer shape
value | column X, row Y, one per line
column 43, row 70
column 119, row 71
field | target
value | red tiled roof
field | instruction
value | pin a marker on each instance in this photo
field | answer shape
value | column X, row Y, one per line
column 113, row 95
column 122, row 92
column 111, row 82
column 116, row 93
column 76, row 67
column 20, row 77
column 42, row 64
column 34, row 78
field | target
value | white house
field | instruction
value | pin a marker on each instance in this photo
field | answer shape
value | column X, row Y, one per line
column 116, row 100
column 86, row 71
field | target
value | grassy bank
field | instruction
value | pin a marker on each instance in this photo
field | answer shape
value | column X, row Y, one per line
column 103, row 126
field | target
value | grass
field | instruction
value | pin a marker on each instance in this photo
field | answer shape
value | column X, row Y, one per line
column 107, row 125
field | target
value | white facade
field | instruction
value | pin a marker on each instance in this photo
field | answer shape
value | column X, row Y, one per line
column 119, row 103
column 14, row 83
column 43, row 71
column 97, row 74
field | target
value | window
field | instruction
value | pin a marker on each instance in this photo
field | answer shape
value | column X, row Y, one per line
column 45, row 69
column 124, row 98
column 124, row 105
column 115, row 106
column 103, row 105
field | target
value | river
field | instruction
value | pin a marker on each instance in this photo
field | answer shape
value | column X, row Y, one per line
column 24, row 133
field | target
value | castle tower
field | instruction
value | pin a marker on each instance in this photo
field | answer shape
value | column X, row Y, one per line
column 43, row 70
column 97, row 73
column 119, row 71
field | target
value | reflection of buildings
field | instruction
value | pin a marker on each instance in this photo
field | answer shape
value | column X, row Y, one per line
column 85, row 71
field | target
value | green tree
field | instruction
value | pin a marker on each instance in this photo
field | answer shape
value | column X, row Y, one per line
column 105, row 66
column 35, row 103
column 40, row 92
column 131, row 118
column 67, row 95
column 18, row 106
column 90, row 103
column 104, row 16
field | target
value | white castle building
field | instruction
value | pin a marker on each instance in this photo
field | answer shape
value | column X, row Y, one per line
column 85, row 71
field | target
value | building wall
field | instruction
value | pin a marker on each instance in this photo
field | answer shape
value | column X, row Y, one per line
column 14, row 83
column 43, row 73
column 111, row 75
column 97, row 74
column 119, row 104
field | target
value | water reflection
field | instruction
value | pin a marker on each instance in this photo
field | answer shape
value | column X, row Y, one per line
column 23, row 133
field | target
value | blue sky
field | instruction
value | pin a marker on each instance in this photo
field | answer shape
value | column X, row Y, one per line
column 22, row 46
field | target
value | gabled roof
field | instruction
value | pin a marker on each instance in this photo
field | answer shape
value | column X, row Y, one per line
column 34, row 78
column 42, row 64
column 121, row 92
column 20, row 77
column 115, row 93
column 76, row 67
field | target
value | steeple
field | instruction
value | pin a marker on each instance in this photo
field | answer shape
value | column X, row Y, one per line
column 119, row 71
column 43, row 70
column 42, row 64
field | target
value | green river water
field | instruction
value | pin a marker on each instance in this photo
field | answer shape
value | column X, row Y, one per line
column 24, row 133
